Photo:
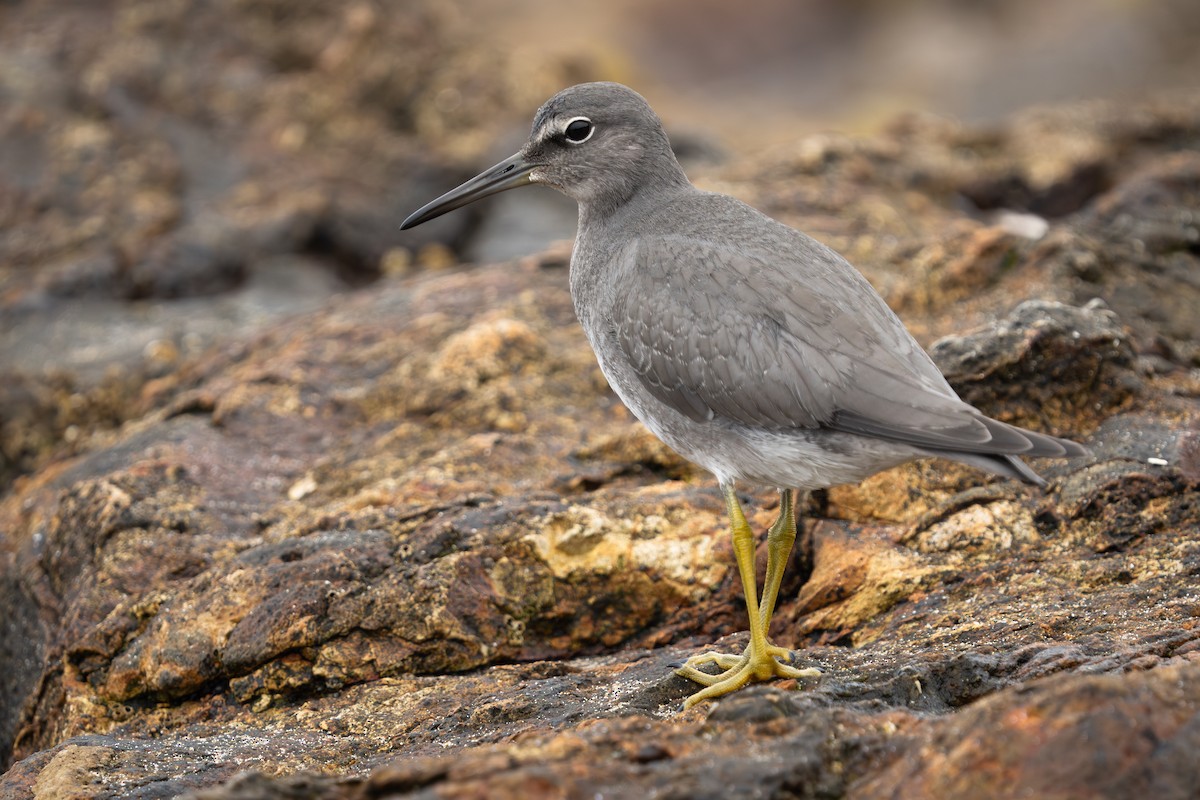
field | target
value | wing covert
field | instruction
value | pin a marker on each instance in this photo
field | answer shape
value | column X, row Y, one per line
column 818, row 347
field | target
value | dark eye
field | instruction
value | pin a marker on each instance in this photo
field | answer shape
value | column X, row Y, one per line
column 578, row 130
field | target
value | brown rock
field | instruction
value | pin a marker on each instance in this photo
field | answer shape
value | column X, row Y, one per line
column 957, row 267
column 408, row 544
column 1045, row 364
column 1070, row 736
column 858, row 574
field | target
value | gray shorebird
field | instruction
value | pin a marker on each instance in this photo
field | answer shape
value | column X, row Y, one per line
column 748, row 347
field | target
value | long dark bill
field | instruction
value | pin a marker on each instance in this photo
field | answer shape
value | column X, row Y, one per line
column 508, row 174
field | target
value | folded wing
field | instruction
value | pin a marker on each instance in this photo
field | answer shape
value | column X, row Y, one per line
column 810, row 345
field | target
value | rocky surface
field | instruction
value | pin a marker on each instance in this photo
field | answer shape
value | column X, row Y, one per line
column 402, row 541
column 175, row 175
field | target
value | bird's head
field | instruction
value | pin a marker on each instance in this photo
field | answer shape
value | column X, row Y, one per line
column 598, row 143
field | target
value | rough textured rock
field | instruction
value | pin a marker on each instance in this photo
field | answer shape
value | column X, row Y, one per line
column 408, row 544
column 296, row 555
column 242, row 160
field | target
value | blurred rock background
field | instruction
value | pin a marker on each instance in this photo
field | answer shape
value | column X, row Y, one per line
column 283, row 488
column 172, row 174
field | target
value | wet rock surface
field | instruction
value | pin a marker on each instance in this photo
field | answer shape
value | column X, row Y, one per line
column 402, row 541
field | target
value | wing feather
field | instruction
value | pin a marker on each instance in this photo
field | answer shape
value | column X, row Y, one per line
column 787, row 335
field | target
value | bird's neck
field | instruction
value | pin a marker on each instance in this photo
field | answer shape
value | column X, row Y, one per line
column 653, row 189
column 607, row 235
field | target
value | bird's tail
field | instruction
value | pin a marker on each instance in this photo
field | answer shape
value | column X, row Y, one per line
column 1011, row 466
column 1005, row 466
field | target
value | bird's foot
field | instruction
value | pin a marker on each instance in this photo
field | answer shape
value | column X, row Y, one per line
column 738, row 670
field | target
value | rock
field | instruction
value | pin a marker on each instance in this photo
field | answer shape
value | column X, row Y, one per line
column 955, row 268
column 408, row 544
column 1143, row 264
column 411, row 595
column 1045, row 363
column 1055, row 739
column 183, row 153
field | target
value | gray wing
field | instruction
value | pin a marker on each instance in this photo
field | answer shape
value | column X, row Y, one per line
column 788, row 336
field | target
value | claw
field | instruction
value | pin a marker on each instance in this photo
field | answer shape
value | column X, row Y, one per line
column 738, row 670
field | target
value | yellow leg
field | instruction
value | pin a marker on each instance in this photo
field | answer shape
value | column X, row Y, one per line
column 760, row 661
column 780, row 538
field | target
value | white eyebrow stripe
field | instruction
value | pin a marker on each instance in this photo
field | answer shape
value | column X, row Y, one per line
column 548, row 129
